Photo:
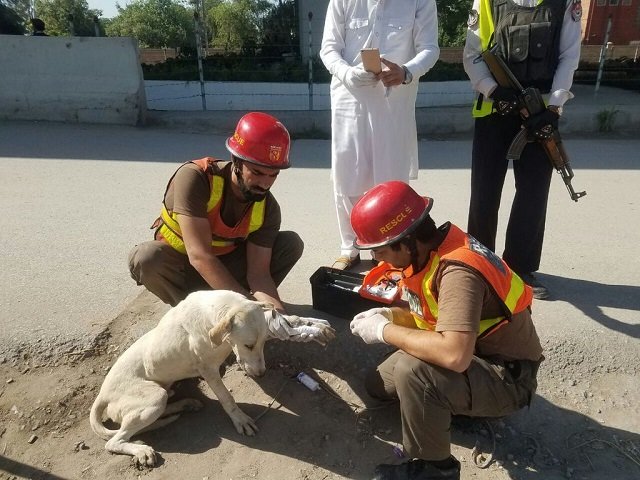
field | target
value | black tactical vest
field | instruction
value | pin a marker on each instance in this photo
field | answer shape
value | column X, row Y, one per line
column 528, row 39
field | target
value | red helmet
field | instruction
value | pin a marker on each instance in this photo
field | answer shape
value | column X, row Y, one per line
column 386, row 213
column 261, row 139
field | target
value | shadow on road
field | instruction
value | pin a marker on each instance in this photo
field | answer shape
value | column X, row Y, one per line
column 592, row 297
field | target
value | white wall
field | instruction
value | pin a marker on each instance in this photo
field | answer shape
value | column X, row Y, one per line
column 173, row 95
column 71, row 79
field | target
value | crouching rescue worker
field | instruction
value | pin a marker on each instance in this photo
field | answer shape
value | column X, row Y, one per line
column 219, row 227
column 466, row 343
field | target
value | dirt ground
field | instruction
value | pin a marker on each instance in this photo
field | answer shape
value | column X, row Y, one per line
column 584, row 422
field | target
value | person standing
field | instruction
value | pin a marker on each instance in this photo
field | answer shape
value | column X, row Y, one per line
column 38, row 27
column 219, row 226
column 466, row 344
column 540, row 43
column 373, row 127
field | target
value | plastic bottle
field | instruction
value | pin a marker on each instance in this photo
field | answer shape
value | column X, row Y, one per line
column 307, row 381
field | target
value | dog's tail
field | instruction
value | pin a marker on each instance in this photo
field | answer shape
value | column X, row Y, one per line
column 95, row 419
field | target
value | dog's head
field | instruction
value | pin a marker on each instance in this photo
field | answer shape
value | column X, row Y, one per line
column 243, row 326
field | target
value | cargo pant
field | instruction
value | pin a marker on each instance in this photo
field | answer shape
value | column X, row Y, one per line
column 168, row 274
column 429, row 395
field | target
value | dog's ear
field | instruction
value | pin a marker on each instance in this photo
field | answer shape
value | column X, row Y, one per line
column 221, row 330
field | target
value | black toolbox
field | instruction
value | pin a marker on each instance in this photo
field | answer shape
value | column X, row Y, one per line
column 337, row 292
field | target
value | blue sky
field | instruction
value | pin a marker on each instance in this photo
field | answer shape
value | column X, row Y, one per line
column 108, row 7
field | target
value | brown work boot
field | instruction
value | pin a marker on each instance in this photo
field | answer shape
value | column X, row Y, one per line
column 417, row 469
column 540, row 292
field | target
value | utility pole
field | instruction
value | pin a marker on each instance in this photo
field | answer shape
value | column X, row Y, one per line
column 310, row 60
column 203, row 21
column 199, row 53
column 603, row 54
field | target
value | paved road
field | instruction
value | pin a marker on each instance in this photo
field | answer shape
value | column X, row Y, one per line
column 76, row 198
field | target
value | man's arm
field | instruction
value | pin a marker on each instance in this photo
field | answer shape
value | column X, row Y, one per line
column 481, row 79
column 425, row 39
column 450, row 350
column 196, row 233
column 568, row 58
column 259, row 277
column 333, row 38
column 452, row 345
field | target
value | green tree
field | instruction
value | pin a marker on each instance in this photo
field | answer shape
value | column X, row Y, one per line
column 237, row 24
column 22, row 8
column 154, row 23
column 10, row 22
column 452, row 21
column 67, row 17
column 280, row 30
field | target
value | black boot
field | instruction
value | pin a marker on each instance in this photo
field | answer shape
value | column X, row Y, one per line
column 417, row 470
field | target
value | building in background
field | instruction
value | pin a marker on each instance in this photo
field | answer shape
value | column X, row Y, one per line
column 625, row 21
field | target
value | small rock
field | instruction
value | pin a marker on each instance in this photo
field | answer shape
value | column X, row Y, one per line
column 32, row 439
column 9, row 380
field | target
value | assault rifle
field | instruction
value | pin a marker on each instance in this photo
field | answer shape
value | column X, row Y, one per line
column 530, row 103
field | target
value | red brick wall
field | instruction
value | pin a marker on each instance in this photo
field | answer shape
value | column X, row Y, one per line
column 625, row 22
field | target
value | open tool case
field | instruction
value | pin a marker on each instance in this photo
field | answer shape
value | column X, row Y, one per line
column 338, row 293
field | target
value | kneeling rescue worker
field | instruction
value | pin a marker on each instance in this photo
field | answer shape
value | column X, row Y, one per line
column 466, row 342
column 219, row 227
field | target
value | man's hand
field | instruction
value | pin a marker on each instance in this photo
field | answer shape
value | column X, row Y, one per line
column 386, row 311
column 370, row 325
column 505, row 100
column 542, row 125
column 298, row 329
column 356, row 77
column 393, row 75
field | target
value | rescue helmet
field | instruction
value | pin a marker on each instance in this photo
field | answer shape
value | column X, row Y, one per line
column 261, row 139
column 386, row 213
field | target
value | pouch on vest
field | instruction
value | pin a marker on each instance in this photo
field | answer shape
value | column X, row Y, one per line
column 382, row 284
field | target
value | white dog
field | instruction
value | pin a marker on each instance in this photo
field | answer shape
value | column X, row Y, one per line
column 192, row 339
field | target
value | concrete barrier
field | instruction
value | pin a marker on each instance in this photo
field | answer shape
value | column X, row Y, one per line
column 71, row 79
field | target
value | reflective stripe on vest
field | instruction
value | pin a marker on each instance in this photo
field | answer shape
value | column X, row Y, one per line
column 486, row 29
column 253, row 219
column 462, row 249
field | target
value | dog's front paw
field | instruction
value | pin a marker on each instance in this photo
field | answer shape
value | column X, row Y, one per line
column 244, row 423
column 143, row 456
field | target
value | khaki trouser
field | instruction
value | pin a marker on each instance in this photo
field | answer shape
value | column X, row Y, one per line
column 429, row 395
column 168, row 274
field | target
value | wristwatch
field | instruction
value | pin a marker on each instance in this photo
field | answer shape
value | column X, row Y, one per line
column 556, row 108
column 408, row 77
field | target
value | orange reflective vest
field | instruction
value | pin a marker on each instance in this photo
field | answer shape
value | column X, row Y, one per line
column 459, row 248
column 224, row 238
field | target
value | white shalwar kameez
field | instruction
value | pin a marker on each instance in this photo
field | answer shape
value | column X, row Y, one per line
column 374, row 136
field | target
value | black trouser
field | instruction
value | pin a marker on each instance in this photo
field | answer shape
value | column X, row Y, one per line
column 525, row 231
